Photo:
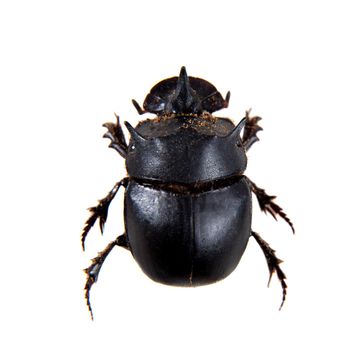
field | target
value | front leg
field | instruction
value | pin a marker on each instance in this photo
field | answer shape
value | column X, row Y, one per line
column 101, row 210
column 116, row 135
column 251, row 128
column 267, row 204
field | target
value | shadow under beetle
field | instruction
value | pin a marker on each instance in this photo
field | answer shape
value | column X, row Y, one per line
column 187, row 204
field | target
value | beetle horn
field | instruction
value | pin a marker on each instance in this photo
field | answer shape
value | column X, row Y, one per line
column 185, row 98
column 183, row 83
column 134, row 134
column 237, row 130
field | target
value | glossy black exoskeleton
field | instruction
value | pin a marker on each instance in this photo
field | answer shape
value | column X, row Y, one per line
column 187, row 202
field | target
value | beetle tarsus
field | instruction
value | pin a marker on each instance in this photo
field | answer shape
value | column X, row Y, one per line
column 250, row 130
column 101, row 211
column 94, row 269
column 273, row 265
column 116, row 135
column 267, row 204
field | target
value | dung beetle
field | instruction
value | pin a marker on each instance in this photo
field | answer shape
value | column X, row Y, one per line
column 187, row 202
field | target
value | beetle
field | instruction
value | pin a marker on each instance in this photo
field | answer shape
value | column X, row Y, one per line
column 187, row 202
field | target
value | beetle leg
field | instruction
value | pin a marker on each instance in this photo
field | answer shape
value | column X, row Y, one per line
column 123, row 241
column 116, row 135
column 101, row 210
column 267, row 204
column 94, row 269
column 251, row 128
column 273, row 264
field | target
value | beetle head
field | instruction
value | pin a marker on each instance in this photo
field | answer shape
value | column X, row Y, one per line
column 183, row 95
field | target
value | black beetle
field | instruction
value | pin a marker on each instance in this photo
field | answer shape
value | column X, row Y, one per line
column 187, row 204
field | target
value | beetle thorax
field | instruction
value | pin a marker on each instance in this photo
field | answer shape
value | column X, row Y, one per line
column 185, row 149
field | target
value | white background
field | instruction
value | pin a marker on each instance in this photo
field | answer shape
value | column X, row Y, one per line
column 66, row 66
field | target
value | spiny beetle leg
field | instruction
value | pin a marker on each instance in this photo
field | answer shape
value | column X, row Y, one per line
column 273, row 264
column 101, row 210
column 94, row 269
column 116, row 135
column 251, row 128
column 267, row 204
column 96, row 263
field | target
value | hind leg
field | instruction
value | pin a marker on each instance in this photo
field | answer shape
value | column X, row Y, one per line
column 93, row 270
column 273, row 264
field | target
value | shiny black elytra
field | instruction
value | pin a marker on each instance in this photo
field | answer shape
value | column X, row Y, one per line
column 187, row 204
